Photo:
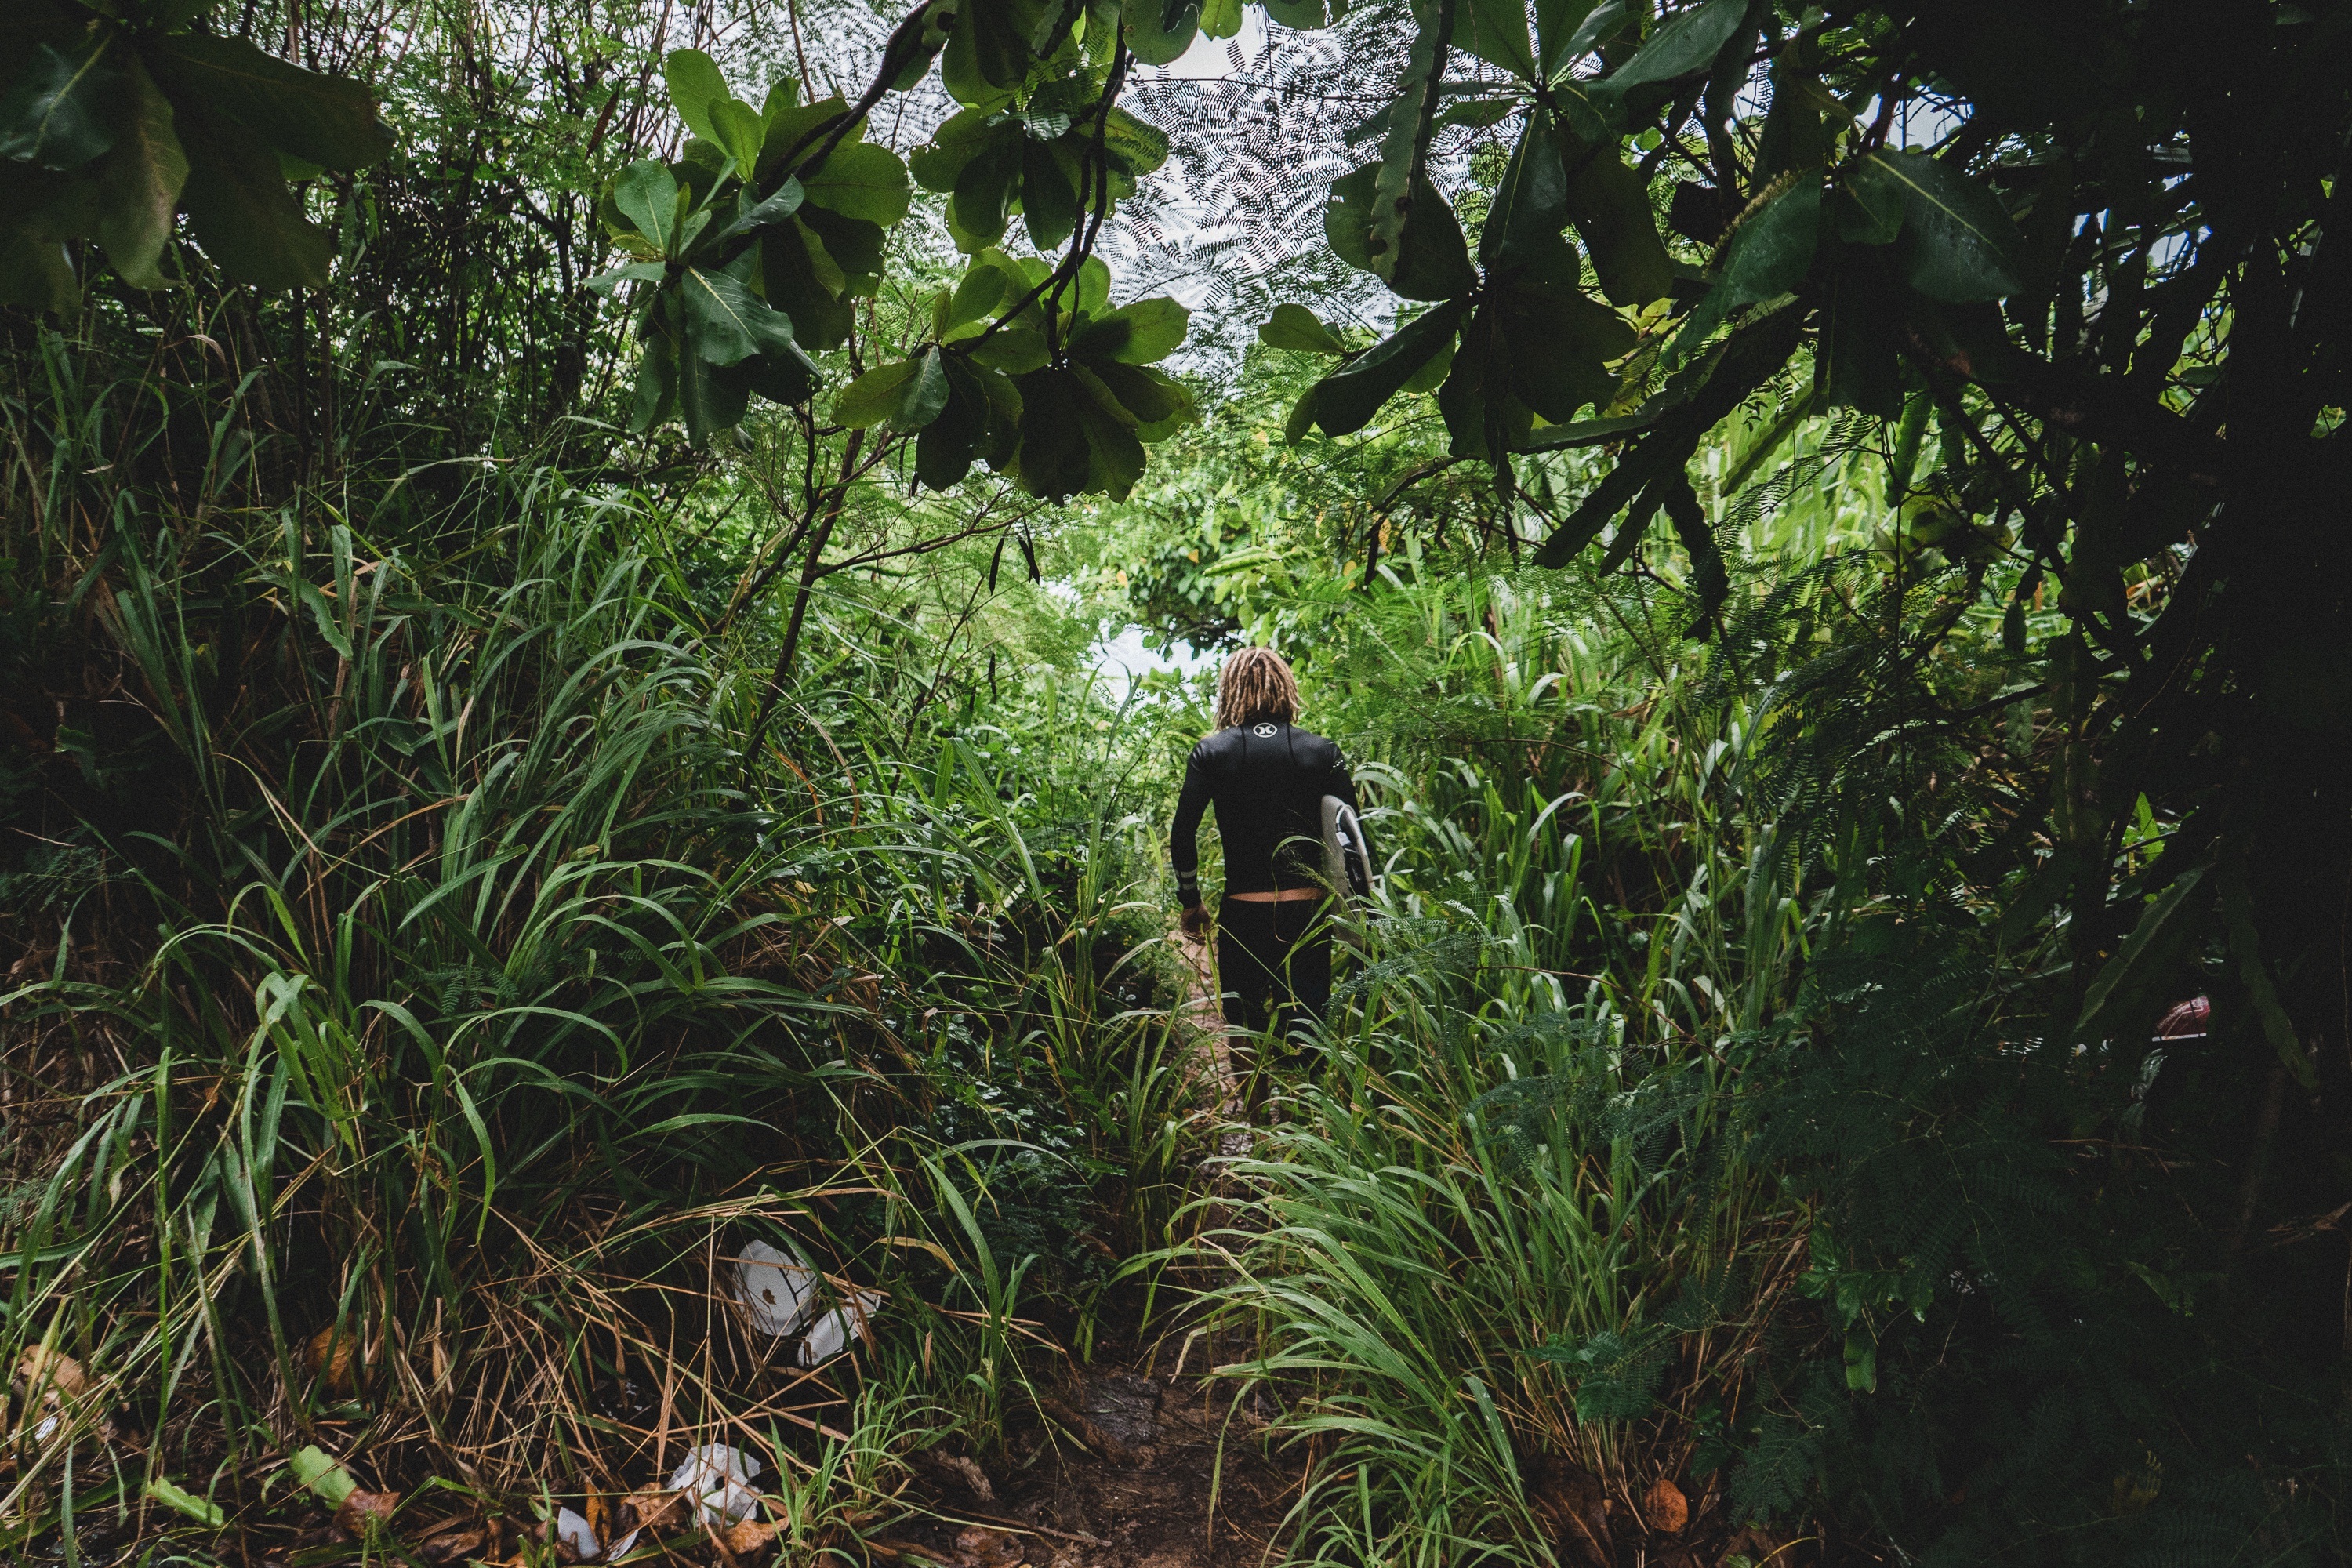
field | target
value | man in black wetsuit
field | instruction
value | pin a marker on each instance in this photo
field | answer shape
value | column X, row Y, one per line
column 1267, row 779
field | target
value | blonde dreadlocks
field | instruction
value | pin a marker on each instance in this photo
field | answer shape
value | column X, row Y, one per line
column 1255, row 684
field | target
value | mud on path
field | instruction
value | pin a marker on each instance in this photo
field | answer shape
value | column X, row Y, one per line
column 1149, row 1462
column 1140, row 1471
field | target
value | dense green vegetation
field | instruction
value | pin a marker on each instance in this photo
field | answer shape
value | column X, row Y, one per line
column 550, row 728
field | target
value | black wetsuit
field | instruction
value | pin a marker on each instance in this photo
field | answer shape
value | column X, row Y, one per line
column 1267, row 781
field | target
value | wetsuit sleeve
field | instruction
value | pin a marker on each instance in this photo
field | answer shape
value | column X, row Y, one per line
column 1185, row 834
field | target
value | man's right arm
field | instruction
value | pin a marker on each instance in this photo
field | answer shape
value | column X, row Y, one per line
column 1184, row 833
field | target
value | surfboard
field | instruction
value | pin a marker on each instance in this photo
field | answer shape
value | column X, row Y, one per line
column 1347, row 865
column 1347, row 853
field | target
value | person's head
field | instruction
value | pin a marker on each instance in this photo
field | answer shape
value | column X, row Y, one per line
column 1256, row 684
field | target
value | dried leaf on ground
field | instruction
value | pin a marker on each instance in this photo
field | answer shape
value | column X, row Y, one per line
column 657, row 1508
column 364, row 1514
column 748, row 1537
column 1571, row 1501
column 453, row 1540
column 979, row 1547
column 52, row 1373
column 967, row 1469
column 1667, row 1510
column 332, row 1356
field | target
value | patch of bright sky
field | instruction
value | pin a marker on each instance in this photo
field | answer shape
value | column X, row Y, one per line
column 1120, row 658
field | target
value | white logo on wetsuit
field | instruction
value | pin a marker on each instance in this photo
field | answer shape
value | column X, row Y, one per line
column 1263, row 731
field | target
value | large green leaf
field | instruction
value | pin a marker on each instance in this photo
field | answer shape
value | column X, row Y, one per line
column 768, row 211
column 1596, row 26
column 982, row 418
column 139, row 184
column 1017, row 351
column 803, row 281
column 1221, row 18
column 1556, row 341
column 874, row 396
column 735, row 127
column 1140, row 333
column 854, row 243
column 1496, row 32
column 1556, row 23
column 1398, row 195
column 959, row 139
column 1435, row 260
column 1160, row 33
column 861, row 180
column 924, row 394
column 1049, row 205
column 973, row 297
column 725, row 321
column 1856, row 361
column 1345, row 401
column 1685, row 44
column 695, row 85
column 609, row 283
column 1483, row 420
column 646, row 193
column 1134, row 148
column 711, row 397
column 1610, row 206
column 1962, row 245
column 1770, row 251
column 59, row 112
column 1052, row 458
column 1870, row 202
column 328, row 120
column 1294, row 327
column 1530, row 206
column 1159, row 402
column 655, row 398
column 781, row 374
column 241, row 212
column 982, row 202
column 995, row 45
column 1115, row 457
column 794, row 129
column 1091, row 291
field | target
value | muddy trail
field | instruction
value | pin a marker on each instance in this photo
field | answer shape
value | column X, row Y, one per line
column 1141, row 1470
column 1150, row 1461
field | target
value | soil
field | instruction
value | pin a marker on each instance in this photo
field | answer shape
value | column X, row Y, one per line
column 1138, row 1471
column 1148, row 1462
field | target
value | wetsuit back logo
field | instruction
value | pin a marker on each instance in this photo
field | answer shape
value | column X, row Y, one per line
column 1263, row 731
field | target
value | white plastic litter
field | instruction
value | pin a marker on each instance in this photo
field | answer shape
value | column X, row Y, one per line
column 776, row 1292
column 576, row 1533
column 837, row 1328
column 718, row 1478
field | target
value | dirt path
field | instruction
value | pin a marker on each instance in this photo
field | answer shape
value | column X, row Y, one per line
column 1143, row 1468
column 1147, row 1461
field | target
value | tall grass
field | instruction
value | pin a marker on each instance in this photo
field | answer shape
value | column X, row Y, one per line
column 440, row 999
column 1505, row 1264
